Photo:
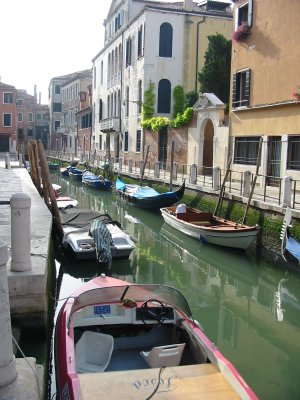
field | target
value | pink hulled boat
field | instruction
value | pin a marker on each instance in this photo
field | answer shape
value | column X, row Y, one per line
column 118, row 340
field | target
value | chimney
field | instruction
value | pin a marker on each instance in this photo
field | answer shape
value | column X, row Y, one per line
column 40, row 96
column 188, row 5
column 35, row 96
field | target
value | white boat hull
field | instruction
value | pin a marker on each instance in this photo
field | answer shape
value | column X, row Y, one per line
column 227, row 235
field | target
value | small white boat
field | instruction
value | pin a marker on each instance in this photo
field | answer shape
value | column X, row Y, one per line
column 85, row 243
column 290, row 247
column 66, row 202
column 209, row 228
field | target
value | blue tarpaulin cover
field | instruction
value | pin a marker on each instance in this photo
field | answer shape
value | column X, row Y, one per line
column 293, row 247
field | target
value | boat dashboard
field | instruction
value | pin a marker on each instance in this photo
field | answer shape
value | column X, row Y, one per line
column 111, row 314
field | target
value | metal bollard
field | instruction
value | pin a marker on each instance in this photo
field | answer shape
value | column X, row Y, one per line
column 20, row 204
column 8, row 371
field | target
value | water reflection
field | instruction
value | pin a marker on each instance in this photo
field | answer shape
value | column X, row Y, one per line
column 248, row 306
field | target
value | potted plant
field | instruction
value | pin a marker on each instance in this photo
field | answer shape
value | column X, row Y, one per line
column 243, row 30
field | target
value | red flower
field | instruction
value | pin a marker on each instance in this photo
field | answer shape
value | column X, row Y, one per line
column 242, row 31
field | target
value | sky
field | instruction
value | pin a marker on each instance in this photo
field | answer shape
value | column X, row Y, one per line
column 41, row 39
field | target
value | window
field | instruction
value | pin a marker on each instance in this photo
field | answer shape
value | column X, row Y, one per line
column 57, row 89
column 100, row 144
column 164, row 97
column 30, row 116
column 138, row 140
column 246, row 150
column 20, row 117
column 19, row 102
column 56, row 124
column 101, row 72
column 7, row 98
column 165, row 40
column 100, row 110
column 128, row 51
column 140, row 97
column 293, row 159
column 127, row 102
column 38, row 116
column 244, row 14
column 241, row 89
column 140, row 49
column 7, row 119
column 126, row 141
column 30, row 132
column 56, row 107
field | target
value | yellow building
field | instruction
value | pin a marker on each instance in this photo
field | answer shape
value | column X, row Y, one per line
column 265, row 74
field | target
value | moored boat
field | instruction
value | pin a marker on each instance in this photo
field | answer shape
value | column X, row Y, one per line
column 290, row 247
column 115, row 339
column 86, row 240
column 209, row 228
column 96, row 182
column 75, row 173
column 146, row 197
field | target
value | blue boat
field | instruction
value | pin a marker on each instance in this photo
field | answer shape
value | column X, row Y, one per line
column 76, row 173
column 146, row 197
column 96, row 182
column 290, row 247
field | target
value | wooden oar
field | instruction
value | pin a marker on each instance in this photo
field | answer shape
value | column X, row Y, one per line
column 254, row 180
column 222, row 190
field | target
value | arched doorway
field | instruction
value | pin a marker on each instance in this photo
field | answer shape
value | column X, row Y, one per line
column 208, row 146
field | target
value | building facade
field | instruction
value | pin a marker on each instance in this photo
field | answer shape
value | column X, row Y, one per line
column 64, row 103
column 8, row 118
column 148, row 42
column 264, row 87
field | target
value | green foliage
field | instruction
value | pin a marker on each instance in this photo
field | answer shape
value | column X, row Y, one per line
column 148, row 103
column 156, row 123
column 182, row 119
column 179, row 100
column 215, row 75
column 191, row 98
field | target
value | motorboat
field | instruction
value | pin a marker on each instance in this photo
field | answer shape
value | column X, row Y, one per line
column 95, row 181
column 119, row 340
column 84, row 240
column 208, row 227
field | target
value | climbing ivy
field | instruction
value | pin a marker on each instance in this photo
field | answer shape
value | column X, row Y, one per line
column 182, row 116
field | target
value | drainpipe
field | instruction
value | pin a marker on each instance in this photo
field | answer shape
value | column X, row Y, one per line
column 197, row 53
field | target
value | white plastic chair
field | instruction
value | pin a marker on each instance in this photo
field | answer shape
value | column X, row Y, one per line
column 93, row 352
column 164, row 356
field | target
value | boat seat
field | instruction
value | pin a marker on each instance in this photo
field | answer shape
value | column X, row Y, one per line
column 200, row 223
column 93, row 352
column 164, row 356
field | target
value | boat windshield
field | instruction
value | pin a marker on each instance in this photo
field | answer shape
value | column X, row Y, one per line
column 137, row 293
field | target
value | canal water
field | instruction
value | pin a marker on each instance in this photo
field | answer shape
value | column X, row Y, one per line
column 249, row 306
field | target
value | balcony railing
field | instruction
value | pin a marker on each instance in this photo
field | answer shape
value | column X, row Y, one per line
column 110, row 125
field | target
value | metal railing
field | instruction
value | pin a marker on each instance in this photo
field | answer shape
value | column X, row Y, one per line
column 202, row 178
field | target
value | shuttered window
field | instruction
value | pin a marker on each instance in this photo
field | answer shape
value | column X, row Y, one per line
column 140, row 50
column 126, row 141
column 241, row 89
column 165, row 40
column 128, row 52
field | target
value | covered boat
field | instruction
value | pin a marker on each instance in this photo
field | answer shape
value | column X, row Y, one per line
column 94, row 181
column 118, row 340
column 86, row 239
column 146, row 197
column 209, row 228
column 76, row 173
column 290, row 247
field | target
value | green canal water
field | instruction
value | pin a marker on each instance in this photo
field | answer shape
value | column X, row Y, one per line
column 248, row 305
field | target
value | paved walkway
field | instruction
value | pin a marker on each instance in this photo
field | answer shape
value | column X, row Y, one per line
column 27, row 290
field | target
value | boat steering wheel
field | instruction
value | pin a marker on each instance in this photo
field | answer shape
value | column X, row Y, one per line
column 157, row 314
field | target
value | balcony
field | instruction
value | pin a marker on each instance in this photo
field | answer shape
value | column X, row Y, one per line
column 110, row 124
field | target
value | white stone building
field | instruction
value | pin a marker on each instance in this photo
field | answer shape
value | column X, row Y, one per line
column 147, row 41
